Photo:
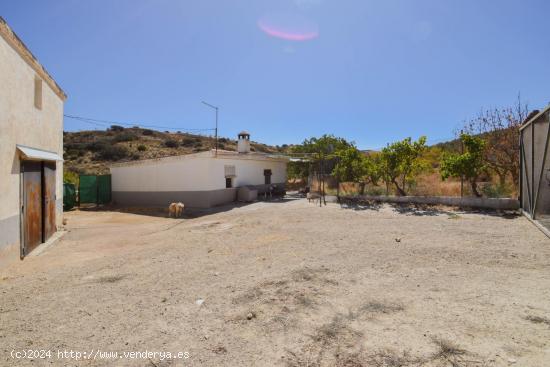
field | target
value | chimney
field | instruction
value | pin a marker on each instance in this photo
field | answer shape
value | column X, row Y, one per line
column 243, row 144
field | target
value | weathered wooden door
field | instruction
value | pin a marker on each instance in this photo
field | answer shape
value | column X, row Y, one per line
column 32, row 205
column 48, row 186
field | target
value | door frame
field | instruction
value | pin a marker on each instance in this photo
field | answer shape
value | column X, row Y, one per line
column 21, row 213
column 22, row 209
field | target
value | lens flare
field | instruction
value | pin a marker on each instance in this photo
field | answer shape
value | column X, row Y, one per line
column 290, row 27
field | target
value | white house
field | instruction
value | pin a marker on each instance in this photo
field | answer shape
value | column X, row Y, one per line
column 199, row 180
column 31, row 149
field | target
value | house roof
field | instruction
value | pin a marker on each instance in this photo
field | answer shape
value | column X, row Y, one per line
column 17, row 44
column 221, row 154
column 534, row 118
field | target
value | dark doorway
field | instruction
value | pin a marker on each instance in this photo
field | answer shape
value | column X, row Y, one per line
column 267, row 176
column 228, row 182
column 38, row 203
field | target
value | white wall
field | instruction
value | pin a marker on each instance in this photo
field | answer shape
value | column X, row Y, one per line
column 192, row 173
column 186, row 174
column 249, row 171
column 22, row 123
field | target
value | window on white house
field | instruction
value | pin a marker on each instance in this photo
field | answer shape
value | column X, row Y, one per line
column 267, row 176
column 229, row 171
column 38, row 92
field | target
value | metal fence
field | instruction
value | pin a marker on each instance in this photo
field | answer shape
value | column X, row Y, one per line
column 69, row 196
column 535, row 168
column 95, row 189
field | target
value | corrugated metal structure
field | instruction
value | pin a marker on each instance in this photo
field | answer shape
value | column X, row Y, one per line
column 535, row 167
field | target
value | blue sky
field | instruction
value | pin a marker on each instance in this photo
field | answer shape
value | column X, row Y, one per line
column 370, row 71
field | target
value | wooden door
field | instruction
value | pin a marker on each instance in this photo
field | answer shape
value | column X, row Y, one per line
column 48, row 187
column 32, row 205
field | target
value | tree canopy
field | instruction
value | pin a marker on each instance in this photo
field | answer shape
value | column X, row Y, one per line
column 470, row 164
column 401, row 162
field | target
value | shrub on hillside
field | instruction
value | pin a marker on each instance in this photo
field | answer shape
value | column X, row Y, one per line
column 142, row 148
column 125, row 136
column 147, row 132
column 97, row 145
column 171, row 143
column 117, row 128
column 112, row 152
column 187, row 142
column 74, row 146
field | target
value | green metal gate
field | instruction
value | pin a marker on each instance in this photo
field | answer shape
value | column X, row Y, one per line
column 69, row 196
column 95, row 189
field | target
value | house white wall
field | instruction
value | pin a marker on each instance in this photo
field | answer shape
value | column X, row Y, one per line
column 249, row 171
column 24, row 124
column 184, row 174
column 192, row 173
column 197, row 179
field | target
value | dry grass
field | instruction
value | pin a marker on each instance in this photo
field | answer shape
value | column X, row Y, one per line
column 447, row 348
column 451, row 354
column 391, row 358
column 337, row 330
column 280, row 302
column 331, row 345
column 110, row 279
column 379, row 307
column 431, row 184
column 538, row 319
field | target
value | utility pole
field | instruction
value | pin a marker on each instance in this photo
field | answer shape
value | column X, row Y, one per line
column 216, row 129
column 461, row 176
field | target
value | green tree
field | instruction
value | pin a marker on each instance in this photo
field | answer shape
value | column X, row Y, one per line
column 470, row 164
column 314, row 151
column 354, row 166
column 401, row 162
column 70, row 177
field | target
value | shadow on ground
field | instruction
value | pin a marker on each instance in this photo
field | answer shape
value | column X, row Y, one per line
column 424, row 209
column 189, row 213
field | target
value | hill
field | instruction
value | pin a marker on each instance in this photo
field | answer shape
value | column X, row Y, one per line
column 91, row 152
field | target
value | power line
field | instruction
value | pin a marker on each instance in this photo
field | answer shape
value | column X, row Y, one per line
column 109, row 123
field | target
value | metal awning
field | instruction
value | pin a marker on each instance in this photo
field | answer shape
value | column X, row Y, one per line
column 38, row 154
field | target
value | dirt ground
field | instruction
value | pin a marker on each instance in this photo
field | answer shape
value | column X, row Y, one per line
column 285, row 284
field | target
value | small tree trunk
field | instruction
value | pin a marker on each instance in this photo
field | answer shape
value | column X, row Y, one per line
column 400, row 191
column 473, row 184
column 361, row 188
column 502, row 178
column 515, row 179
